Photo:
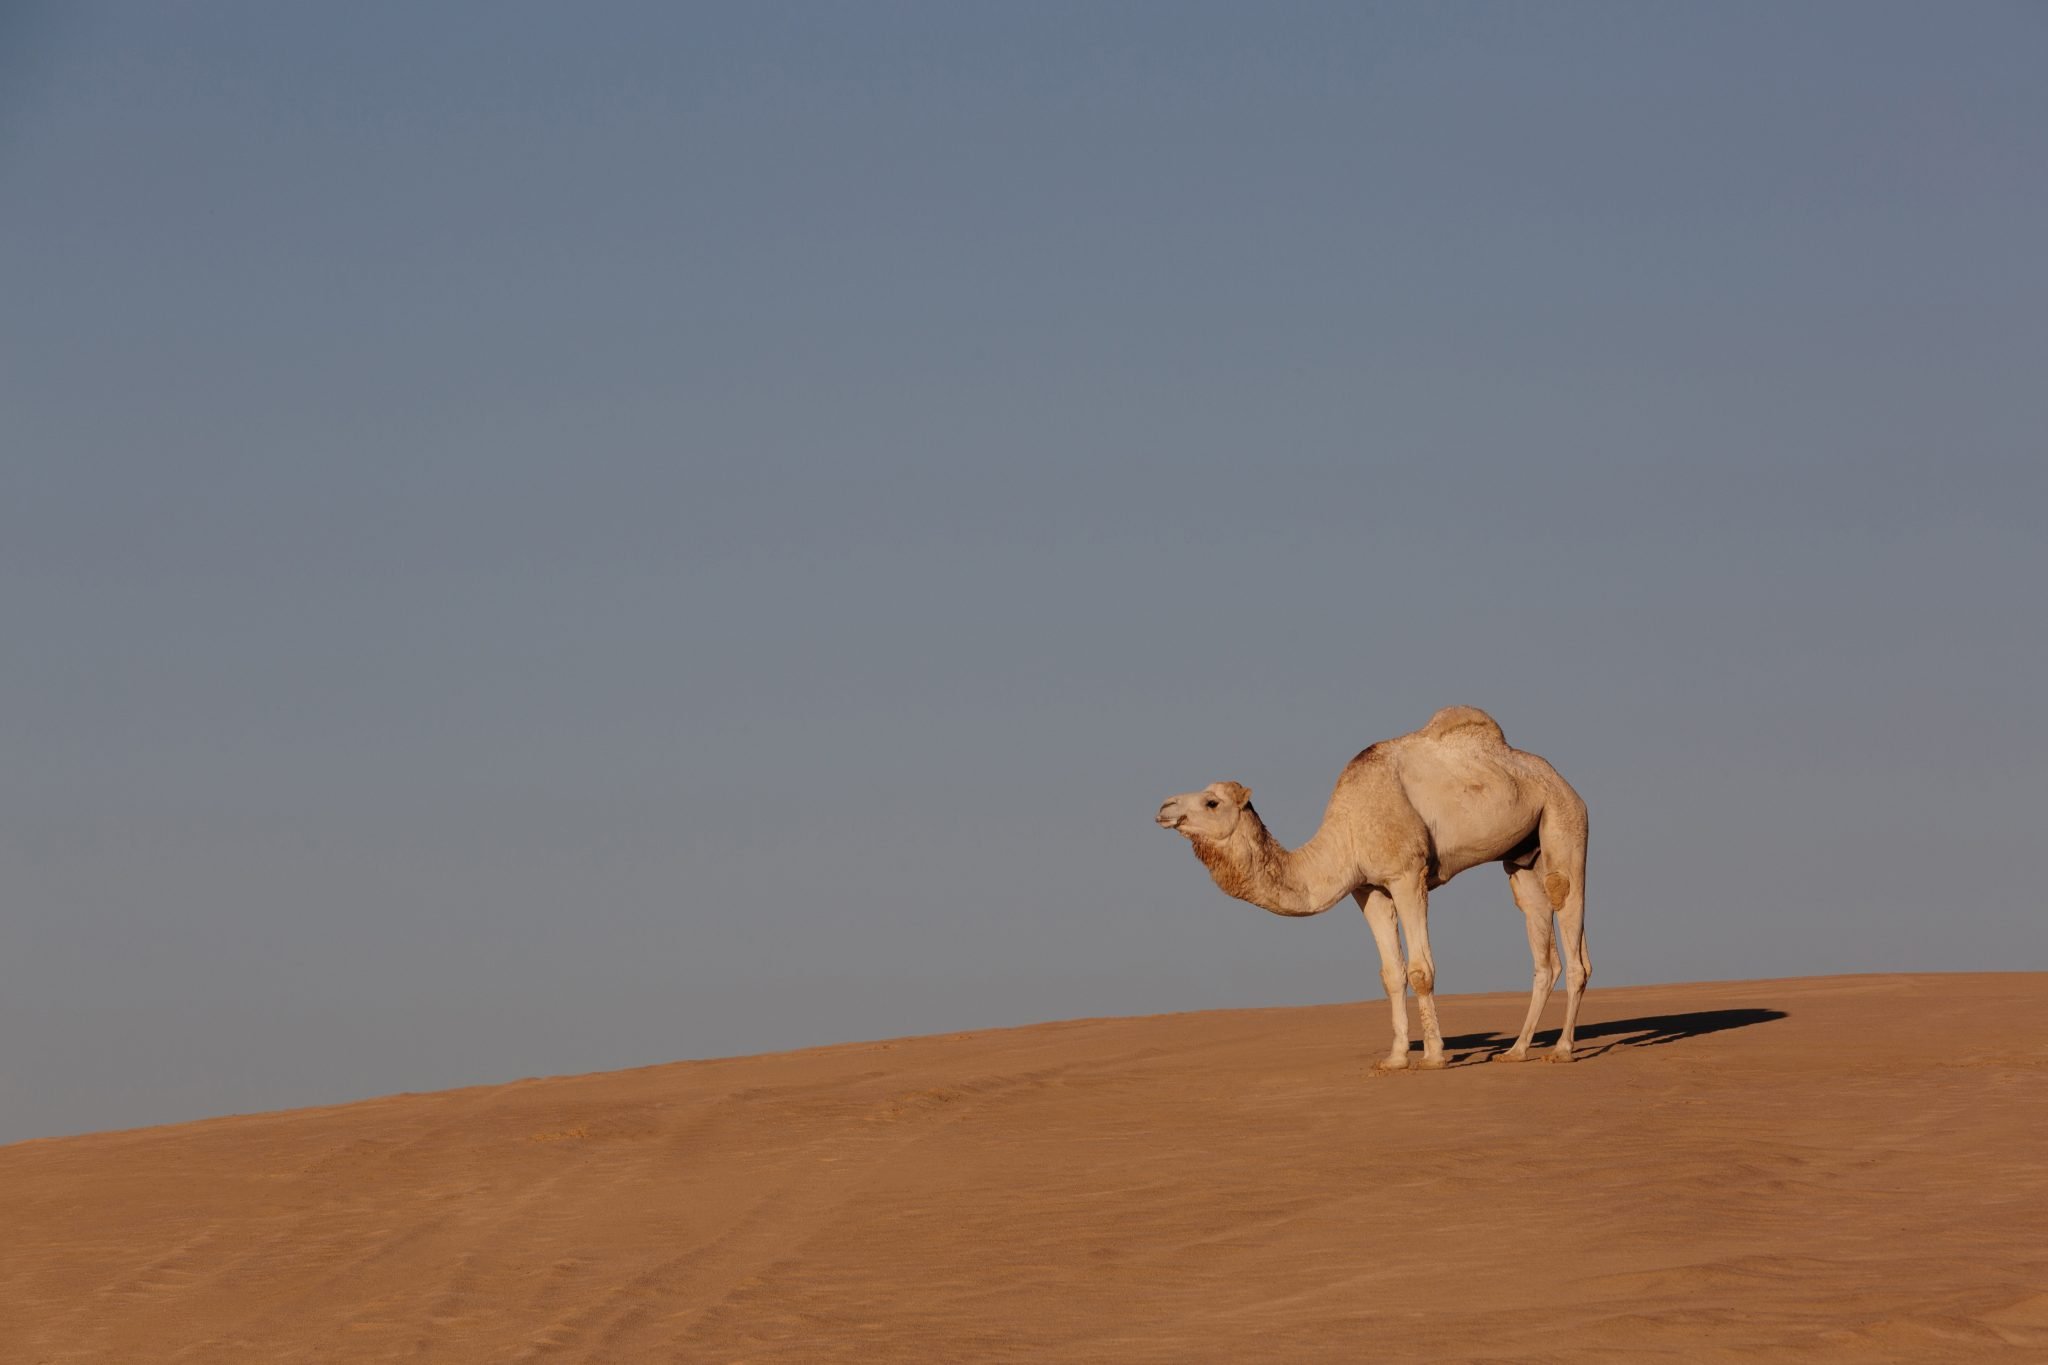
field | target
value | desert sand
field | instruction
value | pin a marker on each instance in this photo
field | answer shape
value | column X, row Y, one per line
column 1846, row 1168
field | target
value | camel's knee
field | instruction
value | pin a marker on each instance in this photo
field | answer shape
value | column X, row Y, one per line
column 1394, row 981
column 1422, row 976
column 1557, row 886
column 1577, row 972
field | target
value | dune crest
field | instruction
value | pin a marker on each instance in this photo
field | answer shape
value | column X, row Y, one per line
column 1830, row 1169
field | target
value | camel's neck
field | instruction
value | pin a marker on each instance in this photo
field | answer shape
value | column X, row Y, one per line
column 1252, row 866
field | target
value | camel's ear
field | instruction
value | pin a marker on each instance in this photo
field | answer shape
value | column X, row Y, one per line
column 1237, row 792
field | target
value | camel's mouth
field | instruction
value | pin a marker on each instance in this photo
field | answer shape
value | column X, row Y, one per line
column 1167, row 820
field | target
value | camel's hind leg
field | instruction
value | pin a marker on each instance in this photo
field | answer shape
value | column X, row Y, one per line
column 1527, row 886
column 1571, row 936
column 1564, row 886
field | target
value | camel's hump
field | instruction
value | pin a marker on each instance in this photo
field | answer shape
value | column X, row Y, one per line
column 1453, row 719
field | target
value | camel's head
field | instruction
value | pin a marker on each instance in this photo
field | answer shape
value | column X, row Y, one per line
column 1211, row 813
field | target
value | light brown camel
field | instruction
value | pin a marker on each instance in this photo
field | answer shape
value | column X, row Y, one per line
column 1409, row 814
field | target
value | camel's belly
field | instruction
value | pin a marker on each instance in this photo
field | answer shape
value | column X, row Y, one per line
column 1482, row 828
column 1450, row 863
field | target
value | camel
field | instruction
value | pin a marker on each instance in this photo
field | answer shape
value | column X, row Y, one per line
column 1408, row 815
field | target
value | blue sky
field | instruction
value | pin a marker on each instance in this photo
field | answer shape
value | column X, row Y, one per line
column 535, row 540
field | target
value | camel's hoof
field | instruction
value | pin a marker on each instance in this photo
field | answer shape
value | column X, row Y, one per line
column 1430, row 1064
column 1511, row 1056
column 1559, row 1057
column 1391, row 1063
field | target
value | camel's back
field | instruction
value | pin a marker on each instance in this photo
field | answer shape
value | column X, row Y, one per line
column 1459, row 751
column 1462, row 747
column 1450, row 760
column 1462, row 730
column 1460, row 781
column 1464, row 723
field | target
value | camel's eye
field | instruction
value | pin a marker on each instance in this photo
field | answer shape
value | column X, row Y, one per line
column 1212, row 803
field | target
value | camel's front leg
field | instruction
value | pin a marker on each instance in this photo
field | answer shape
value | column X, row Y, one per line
column 1411, row 903
column 1379, row 913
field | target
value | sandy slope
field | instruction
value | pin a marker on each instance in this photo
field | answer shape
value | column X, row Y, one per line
column 1851, row 1168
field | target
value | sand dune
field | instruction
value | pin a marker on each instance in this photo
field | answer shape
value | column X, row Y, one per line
column 1846, row 1168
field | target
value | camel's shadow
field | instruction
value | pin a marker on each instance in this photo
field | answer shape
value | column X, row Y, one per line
column 1648, row 1031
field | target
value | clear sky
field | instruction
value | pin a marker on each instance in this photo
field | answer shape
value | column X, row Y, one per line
column 538, row 538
